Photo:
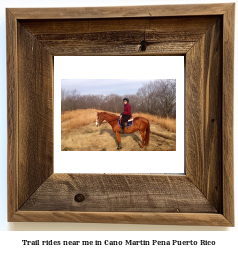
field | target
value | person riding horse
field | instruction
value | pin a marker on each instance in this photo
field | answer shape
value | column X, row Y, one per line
column 126, row 114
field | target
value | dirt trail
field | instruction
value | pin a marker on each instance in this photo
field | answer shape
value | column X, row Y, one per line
column 92, row 138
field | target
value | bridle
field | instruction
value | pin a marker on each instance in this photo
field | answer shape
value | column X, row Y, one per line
column 112, row 120
column 99, row 120
column 107, row 121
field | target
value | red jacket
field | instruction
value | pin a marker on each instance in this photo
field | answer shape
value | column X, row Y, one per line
column 127, row 110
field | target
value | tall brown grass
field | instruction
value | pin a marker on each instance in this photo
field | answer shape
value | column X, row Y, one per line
column 77, row 118
column 165, row 123
column 81, row 117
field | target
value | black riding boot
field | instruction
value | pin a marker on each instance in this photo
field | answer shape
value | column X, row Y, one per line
column 122, row 131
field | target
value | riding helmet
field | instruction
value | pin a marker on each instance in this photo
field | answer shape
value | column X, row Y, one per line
column 126, row 99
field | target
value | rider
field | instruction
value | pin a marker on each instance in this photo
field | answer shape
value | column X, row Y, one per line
column 126, row 115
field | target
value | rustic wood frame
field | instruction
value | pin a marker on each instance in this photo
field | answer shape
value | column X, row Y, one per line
column 204, row 34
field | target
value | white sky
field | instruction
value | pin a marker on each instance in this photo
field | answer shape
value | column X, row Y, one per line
column 104, row 86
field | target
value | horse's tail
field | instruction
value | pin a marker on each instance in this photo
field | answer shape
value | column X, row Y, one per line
column 147, row 135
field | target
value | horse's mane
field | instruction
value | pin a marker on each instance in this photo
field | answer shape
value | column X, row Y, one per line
column 110, row 114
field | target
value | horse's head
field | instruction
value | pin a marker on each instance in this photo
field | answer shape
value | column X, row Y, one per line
column 99, row 119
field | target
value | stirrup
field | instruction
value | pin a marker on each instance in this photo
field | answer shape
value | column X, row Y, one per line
column 122, row 131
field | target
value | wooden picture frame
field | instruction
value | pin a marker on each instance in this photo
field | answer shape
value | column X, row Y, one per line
column 204, row 34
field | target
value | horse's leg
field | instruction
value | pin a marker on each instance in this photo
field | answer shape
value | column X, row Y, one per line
column 143, row 137
column 118, row 140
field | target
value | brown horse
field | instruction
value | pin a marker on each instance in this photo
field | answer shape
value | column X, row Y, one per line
column 139, row 123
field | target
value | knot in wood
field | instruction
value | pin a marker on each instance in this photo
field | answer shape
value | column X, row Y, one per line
column 79, row 198
column 143, row 45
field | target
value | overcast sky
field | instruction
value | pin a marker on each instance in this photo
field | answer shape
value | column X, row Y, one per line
column 104, row 86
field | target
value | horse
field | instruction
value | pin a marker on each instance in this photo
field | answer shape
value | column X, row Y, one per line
column 139, row 123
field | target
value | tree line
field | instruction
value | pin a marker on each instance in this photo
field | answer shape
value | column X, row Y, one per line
column 157, row 97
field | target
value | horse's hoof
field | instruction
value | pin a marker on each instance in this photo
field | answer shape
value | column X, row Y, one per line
column 118, row 148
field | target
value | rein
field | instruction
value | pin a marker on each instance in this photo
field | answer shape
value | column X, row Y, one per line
column 109, row 121
column 112, row 120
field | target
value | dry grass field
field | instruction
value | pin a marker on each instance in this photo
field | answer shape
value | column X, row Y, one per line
column 79, row 133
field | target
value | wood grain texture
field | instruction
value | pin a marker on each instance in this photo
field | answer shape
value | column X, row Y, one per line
column 35, row 114
column 204, row 196
column 12, row 116
column 121, row 11
column 227, row 113
column 197, row 219
column 174, row 36
column 204, row 115
column 179, row 25
column 71, row 48
column 140, row 193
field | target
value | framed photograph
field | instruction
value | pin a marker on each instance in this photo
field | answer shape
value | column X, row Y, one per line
column 156, row 96
column 104, row 185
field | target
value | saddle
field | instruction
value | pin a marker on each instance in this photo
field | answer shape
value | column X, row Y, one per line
column 127, row 123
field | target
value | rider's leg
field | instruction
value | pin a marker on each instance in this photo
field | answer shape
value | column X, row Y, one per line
column 123, row 120
column 123, row 127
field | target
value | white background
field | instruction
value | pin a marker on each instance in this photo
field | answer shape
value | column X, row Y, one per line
column 12, row 240
column 119, row 67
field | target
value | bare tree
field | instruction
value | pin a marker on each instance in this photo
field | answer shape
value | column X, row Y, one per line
column 158, row 97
